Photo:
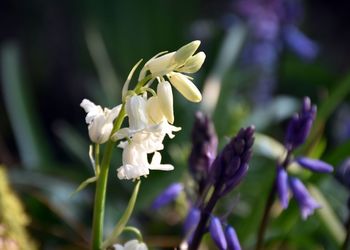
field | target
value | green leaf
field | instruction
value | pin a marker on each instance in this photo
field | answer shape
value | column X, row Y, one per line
column 124, row 219
column 84, row 184
column 328, row 216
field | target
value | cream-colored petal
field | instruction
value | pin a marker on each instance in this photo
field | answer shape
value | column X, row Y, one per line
column 185, row 86
column 154, row 110
column 165, row 97
column 135, row 109
column 161, row 65
column 194, row 63
column 185, row 52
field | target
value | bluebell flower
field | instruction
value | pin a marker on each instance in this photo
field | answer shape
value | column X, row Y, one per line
column 282, row 186
column 307, row 204
column 232, row 239
column 217, row 233
column 300, row 125
column 191, row 222
column 168, row 195
column 299, row 43
column 231, row 165
column 314, row 165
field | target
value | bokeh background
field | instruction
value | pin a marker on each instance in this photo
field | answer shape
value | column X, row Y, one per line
column 263, row 55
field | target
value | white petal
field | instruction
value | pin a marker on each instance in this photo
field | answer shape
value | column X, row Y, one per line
column 165, row 97
column 99, row 130
column 154, row 110
column 112, row 114
column 193, row 64
column 185, row 87
column 135, row 109
column 185, row 52
column 155, row 164
column 161, row 65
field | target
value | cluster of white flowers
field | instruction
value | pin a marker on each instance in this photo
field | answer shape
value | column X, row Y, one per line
column 149, row 118
column 131, row 245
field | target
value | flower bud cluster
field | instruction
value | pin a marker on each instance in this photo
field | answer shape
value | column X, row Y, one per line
column 297, row 132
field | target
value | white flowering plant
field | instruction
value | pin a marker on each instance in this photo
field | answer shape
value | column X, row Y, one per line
column 148, row 108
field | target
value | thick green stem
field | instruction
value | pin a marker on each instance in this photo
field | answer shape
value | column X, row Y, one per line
column 100, row 196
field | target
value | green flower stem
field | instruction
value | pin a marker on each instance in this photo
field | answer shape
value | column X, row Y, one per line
column 100, row 196
column 97, row 159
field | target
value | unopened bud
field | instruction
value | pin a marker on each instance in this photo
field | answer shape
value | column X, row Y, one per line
column 185, row 52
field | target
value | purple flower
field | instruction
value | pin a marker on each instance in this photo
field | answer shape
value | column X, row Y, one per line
column 299, row 43
column 315, row 165
column 307, row 204
column 217, row 233
column 204, row 146
column 232, row 239
column 282, row 186
column 231, row 165
column 300, row 125
column 191, row 222
column 168, row 195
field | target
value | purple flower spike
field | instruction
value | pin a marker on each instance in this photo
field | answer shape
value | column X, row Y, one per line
column 300, row 125
column 282, row 186
column 315, row 165
column 217, row 233
column 307, row 204
column 231, row 165
column 168, row 195
column 232, row 239
column 191, row 221
column 204, row 146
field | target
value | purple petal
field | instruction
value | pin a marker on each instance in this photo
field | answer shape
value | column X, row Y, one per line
column 307, row 204
column 300, row 44
column 191, row 221
column 168, row 195
column 232, row 239
column 315, row 165
column 282, row 186
column 217, row 233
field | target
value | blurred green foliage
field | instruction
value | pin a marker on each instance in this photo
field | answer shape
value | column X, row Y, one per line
column 65, row 51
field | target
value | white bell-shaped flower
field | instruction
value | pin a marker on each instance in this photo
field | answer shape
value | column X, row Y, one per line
column 135, row 162
column 100, row 120
column 185, row 86
column 131, row 245
column 165, row 98
column 136, row 110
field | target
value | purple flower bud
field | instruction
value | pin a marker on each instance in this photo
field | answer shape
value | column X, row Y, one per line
column 282, row 186
column 307, row 204
column 299, row 43
column 232, row 239
column 204, row 146
column 300, row 125
column 231, row 165
column 191, row 221
column 315, row 165
column 168, row 195
column 217, row 233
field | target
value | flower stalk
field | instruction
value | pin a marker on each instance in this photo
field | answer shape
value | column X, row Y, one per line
column 101, row 184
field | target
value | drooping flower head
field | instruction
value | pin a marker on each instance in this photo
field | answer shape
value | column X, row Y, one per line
column 307, row 204
column 131, row 245
column 100, row 120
